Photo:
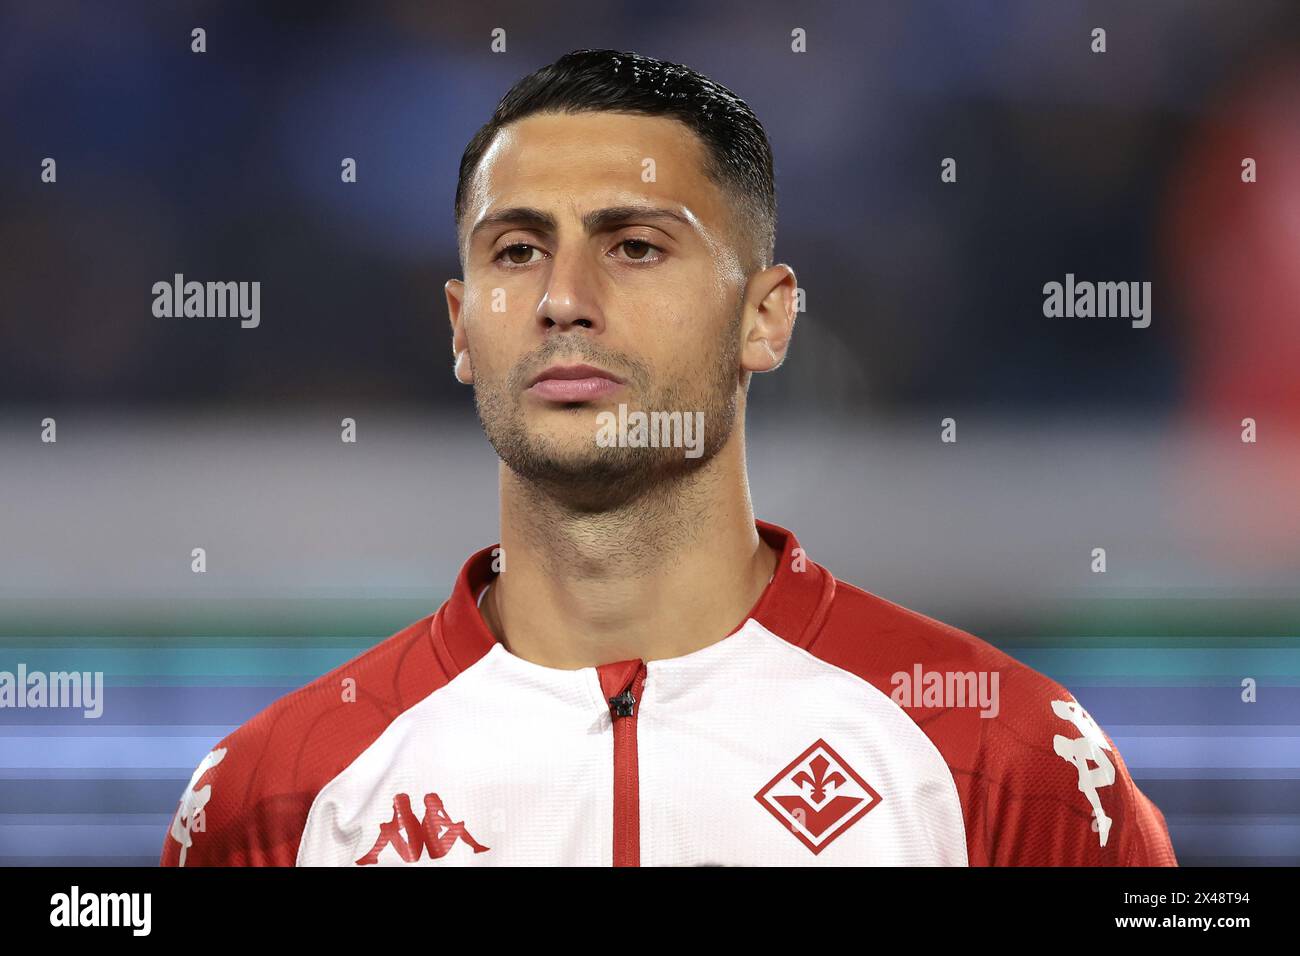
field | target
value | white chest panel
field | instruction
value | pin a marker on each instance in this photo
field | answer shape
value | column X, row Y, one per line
column 512, row 764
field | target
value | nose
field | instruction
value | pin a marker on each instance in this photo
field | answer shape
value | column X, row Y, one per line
column 570, row 298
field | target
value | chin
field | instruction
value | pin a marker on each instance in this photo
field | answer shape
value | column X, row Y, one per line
column 571, row 440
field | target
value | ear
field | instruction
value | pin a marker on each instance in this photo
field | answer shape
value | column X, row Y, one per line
column 768, row 318
column 455, row 291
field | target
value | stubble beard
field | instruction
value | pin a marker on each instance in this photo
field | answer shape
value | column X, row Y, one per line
column 582, row 477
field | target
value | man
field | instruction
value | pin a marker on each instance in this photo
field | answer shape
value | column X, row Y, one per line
column 641, row 673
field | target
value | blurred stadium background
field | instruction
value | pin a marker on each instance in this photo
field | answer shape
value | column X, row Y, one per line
column 924, row 301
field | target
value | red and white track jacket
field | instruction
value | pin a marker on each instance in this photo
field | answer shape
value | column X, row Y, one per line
column 830, row 728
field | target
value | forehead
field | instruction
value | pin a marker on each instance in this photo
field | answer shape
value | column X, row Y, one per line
column 574, row 162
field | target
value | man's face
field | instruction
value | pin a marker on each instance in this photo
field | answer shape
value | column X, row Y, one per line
column 654, row 301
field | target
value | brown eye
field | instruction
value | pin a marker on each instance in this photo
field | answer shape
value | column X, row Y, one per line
column 640, row 251
column 520, row 247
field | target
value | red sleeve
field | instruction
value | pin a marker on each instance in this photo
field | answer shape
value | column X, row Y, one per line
column 223, row 819
column 1058, row 793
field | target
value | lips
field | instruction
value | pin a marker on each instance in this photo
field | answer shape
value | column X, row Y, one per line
column 574, row 383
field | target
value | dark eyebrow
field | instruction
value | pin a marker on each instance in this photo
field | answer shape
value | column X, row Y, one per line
column 597, row 220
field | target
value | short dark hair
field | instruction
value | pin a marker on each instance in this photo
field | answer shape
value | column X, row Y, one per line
column 739, row 158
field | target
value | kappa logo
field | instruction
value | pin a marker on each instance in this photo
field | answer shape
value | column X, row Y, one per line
column 818, row 796
column 189, row 815
column 411, row 836
column 1088, row 754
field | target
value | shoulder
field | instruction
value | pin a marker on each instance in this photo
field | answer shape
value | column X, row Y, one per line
column 869, row 635
column 247, row 800
column 1040, row 782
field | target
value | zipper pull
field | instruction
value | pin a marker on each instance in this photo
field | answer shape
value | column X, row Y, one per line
column 619, row 683
column 624, row 704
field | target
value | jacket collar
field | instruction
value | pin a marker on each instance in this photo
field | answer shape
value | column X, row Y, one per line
column 793, row 605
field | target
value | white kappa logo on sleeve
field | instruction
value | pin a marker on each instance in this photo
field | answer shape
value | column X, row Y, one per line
column 192, row 803
column 1092, row 746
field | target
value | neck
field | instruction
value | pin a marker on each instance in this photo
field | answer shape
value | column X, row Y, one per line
column 664, row 576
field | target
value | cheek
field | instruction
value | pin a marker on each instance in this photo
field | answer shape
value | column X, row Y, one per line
column 708, row 304
column 492, row 346
column 690, row 334
column 499, row 318
column 685, row 337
